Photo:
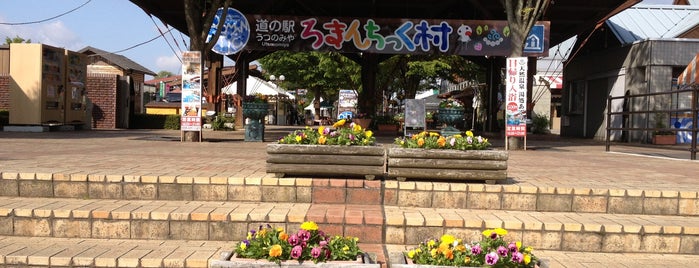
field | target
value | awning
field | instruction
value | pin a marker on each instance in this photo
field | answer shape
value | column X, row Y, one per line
column 690, row 75
column 553, row 81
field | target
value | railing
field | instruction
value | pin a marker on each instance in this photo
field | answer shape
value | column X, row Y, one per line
column 694, row 111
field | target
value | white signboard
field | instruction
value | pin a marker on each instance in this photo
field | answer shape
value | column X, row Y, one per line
column 516, row 97
column 191, row 91
column 347, row 99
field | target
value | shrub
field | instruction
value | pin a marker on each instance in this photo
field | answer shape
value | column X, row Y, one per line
column 540, row 124
column 219, row 122
column 172, row 122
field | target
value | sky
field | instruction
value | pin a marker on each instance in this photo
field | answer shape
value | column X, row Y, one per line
column 110, row 25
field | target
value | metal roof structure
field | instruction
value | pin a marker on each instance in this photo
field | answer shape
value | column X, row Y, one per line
column 643, row 21
column 567, row 18
column 116, row 59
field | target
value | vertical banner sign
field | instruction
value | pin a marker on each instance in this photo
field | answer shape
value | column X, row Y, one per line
column 516, row 97
column 191, row 91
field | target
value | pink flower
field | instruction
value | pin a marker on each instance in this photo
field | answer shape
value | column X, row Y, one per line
column 502, row 251
column 304, row 235
column 293, row 240
column 315, row 252
column 296, row 252
column 490, row 259
column 517, row 257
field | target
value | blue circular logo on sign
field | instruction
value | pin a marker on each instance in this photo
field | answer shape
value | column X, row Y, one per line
column 234, row 34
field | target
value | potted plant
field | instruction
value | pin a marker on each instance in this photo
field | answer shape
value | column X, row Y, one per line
column 269, row 246
column 661, row 136
column 450, row 112
column 491, row 251
column 429, row 155
column 345, row 149
column 255, row 108
column 362, row 119
column 386, row 124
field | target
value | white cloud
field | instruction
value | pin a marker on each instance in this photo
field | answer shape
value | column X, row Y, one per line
column 54, row 34
column 168, row 63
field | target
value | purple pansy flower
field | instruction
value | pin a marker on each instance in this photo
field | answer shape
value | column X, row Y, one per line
column 293, row 239
column 517, row 257
column 502, row 251
column 492, row 258
column 513, row 247
column 296, row 252
column 315, row 252
column 476, row 249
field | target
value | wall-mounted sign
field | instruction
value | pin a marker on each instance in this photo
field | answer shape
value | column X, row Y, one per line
column 392, row 36
column 234, row 34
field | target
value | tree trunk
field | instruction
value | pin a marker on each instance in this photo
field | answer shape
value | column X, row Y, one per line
column 367, row 100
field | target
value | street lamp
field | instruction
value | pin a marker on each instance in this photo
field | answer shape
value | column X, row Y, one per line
column 273, row 78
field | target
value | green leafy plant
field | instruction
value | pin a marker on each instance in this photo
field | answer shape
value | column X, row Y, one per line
column 492, row 250
column 540, row 124
column 450, row 103
column 219, row 122
column 433, row 140
column 172, row 122
column 309, row 243
column 255, row 98
column 340, row 134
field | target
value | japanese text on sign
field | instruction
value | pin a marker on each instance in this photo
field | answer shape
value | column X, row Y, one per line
column 516, row 97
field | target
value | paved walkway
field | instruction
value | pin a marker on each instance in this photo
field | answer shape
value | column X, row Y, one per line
column 550, row 162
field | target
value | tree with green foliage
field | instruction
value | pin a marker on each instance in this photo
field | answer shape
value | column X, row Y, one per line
column 163, row 74
column 322, row 73
column 406, row 75
column 521, row 16
column 16, row 39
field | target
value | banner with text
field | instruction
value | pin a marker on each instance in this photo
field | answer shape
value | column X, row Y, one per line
column 392, row 36
column 516, row 97
column 191, row 91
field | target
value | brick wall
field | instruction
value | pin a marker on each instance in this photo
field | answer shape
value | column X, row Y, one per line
column 101, row 89
column 4, row 92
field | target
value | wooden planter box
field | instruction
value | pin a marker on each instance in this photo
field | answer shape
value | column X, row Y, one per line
column 326, row 160
column 228, row 260
column 488, row 165
column 664, row 139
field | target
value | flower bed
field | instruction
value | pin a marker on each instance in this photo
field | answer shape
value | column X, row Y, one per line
column 432, row 156
column 342, row 151
column 309, row 247
column 491, row 251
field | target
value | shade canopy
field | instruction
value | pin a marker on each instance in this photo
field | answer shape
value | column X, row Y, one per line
column 256, row 85
column 689, row 76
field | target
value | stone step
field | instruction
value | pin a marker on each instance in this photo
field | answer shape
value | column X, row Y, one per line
column 81, row 252
column 352, row 191
column 230, row 221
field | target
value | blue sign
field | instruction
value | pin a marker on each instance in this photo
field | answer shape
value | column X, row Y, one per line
column 234, row 33
column 535, row 40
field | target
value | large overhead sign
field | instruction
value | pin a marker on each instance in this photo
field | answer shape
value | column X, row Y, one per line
column 392, row 36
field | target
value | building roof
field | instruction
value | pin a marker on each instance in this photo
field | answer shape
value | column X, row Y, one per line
column 643, row 21
column 116, row 59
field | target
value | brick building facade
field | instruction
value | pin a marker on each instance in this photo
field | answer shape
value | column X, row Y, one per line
column 5, row 92
column 102, row 91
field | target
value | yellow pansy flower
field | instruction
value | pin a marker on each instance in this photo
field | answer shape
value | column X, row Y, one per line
column 469, row 133
column 467, row 260
column 411, row 254
column 368, row 133
column 309, row 226
column 298, row 138
column 321, row 129
column 447, row 239
column 243, row 246
column 527, row 258
column 431, row 243
column 434, row 134
column 339, row 123
column 500, row 231
column 322, row 140
column 357, row 128
column 420, row 142
column 442, row 141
